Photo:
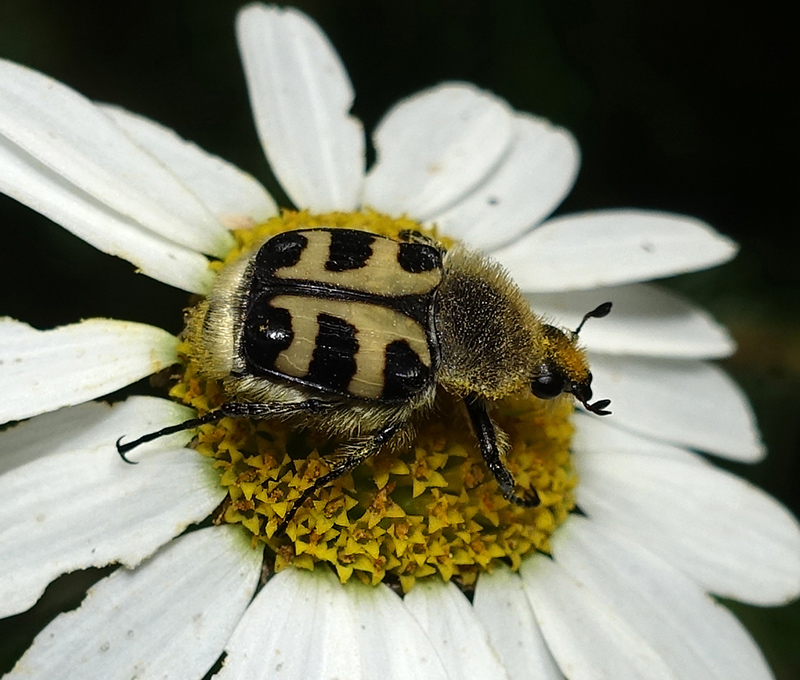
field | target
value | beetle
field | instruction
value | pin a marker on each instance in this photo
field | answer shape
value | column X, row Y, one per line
column 354, row 333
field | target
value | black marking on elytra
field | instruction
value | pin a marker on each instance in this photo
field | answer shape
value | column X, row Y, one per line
column 415, row 306
column 404, row 374
column 266, row 332
column 349, row 250
column 282, row 250
column 333, row 363
column 416, row 258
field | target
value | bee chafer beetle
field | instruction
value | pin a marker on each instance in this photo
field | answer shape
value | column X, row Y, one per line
column 354, row 333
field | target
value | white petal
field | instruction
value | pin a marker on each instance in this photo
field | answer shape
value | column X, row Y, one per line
column 587, row 637
column 697, row 638
column 84, row 508
column 391, row 643
column 65, row 134
column 685, row 402
column 533, row 178
column 234, row 196
column 610, row 247
column 169, row 618
column 307, row 625
column 599, row 435
column 44, row 190
column 503, row 609
column 298, row 626
column 732, row 538
column 453, row 627
column 435, row 147
column 300, row 94
column 45, row 370
column 645, row 320
column 88, row 426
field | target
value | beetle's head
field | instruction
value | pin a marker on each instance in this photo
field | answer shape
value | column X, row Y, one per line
column 564, row 368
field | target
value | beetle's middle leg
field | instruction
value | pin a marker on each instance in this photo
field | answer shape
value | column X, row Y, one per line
column 351, row 460
column 255, row 410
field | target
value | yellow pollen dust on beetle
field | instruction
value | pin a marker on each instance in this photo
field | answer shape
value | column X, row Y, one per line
column 380, row 399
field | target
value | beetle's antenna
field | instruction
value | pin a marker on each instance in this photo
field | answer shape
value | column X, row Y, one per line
column 597, row 313
column 599, row 407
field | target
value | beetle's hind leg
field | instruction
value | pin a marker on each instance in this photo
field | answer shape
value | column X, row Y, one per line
column 346, row 462
column 487, row 438
column 255, row 410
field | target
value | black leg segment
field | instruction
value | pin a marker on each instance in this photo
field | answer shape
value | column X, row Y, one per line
column 349, row 461
column 485, row 432
column 257, row 411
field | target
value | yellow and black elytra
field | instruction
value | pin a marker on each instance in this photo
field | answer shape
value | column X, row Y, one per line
column 345, row 312
column 353, row 333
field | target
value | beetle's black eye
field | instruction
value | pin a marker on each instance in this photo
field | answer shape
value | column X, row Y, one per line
column 547, row 386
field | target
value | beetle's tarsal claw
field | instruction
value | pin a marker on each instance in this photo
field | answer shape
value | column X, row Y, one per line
column 122, row 449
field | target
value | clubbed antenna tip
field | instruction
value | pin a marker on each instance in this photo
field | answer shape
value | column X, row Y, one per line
column 597, row 313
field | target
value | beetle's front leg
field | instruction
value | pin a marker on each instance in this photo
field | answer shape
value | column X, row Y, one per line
column 486, row 434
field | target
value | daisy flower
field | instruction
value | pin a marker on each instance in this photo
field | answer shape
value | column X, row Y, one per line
column 414, row 565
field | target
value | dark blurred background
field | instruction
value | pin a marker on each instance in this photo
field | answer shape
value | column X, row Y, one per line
column 684, row 106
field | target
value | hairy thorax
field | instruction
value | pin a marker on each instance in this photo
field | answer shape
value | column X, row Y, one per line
column 488, row 335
